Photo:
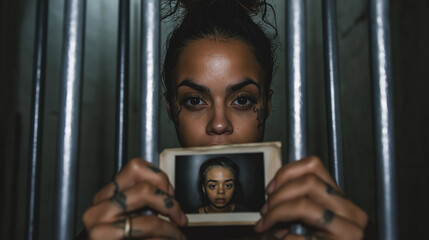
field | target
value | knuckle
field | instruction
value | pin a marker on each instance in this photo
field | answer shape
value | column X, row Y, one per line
column 97, row 198
column 164, row 178
column 161, row 179
column 88, row 217
column 282, row 171
column 362, row 218
column 314, row 162
column 145, row 188
column 135, row 164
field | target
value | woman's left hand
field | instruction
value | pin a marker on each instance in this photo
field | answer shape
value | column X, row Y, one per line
column 304, row 191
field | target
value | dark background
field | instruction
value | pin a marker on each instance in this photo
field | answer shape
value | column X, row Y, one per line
column 251, row 178
column 410, row 61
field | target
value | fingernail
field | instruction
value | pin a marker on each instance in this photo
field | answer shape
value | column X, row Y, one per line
column 264, row 209
column 271, row 186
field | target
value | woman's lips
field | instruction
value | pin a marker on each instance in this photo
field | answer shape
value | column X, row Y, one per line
column 220, row 200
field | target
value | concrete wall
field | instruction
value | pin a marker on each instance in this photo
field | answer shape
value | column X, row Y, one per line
column 410, row 35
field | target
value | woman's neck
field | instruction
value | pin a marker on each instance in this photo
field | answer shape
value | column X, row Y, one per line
column 211, row 209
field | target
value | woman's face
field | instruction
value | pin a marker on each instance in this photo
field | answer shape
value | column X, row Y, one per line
column 219, row 95
column 219, row 186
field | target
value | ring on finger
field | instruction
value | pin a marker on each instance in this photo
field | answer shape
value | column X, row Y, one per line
column 127, row 227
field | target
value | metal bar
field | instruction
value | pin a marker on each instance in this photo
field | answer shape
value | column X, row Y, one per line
column 296, row 79
column 296, row 85
column 383, row 107
column 150, row 77
column 122, row 76
column 36, row 128
column 71, row 73
column 332, row 91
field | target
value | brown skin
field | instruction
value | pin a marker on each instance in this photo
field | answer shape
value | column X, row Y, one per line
column 218, row 116
column 208, row 110
column 219, row 188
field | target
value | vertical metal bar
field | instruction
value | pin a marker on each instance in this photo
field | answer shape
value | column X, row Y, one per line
column 71, row 74
column 296, row 79
column 36, row 129
column 383, row 107
column 150, row 77
column 332, row 91
column 122, row 76
column 296, row 85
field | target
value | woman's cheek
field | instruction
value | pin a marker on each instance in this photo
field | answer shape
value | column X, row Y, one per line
column 247, row 127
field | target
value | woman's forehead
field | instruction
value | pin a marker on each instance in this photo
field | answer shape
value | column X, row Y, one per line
column 217, row 63
column 219, row 172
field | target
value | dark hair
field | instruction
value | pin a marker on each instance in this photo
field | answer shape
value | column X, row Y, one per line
column 219, row 19
column 218, row 162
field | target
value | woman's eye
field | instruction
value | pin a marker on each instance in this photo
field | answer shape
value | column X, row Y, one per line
column 244, row 102
column 212, row 186
column 229, row 185
column 193, row 102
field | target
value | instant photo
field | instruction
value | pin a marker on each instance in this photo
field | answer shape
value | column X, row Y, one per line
column 230, row 178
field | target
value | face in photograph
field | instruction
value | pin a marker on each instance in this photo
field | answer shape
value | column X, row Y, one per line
column 219, row 187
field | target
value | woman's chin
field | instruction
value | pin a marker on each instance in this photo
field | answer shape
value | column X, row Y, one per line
column 221, row 207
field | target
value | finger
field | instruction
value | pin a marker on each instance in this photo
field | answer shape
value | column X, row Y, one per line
column 310, row 213
column 296, row 169
column 141, row 227
column 137, row 170
column 313, row 187
column 302, row 237
column 137, row 197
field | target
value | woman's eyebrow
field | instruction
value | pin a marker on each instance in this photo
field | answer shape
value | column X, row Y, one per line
column 238, row 86
column 188, row 82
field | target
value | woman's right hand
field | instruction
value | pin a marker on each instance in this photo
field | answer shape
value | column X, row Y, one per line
column 138, row 185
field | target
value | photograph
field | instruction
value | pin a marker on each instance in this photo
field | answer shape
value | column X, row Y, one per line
column 220, row 183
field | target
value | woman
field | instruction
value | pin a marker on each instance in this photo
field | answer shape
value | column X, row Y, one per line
column 217, row 74
column 219, row 186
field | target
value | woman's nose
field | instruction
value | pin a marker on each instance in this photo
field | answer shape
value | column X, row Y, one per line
column 219, row 122
column 220, row 190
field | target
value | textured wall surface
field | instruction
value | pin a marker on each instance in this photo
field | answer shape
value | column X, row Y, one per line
column 410, row 35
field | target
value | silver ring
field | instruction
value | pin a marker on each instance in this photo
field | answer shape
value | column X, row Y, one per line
column 127, row 227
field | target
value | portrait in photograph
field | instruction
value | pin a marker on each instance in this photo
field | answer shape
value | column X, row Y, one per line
column 217, row 183
column 222, row 185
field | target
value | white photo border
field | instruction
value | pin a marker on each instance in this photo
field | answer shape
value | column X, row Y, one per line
column 272, row 162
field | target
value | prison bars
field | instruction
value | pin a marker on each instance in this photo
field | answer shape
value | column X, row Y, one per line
column 383, row 118
column 67, row 149
column 70, row 95
column 122, row 83
column 36, row 127
column 382, row 84
column 150, row 59
column 332, row 89
column 296, row 86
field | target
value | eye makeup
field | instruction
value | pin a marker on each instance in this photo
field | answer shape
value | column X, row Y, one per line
column 192, row 101
column 244, row 101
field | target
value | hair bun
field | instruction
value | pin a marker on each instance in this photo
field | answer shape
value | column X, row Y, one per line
column 250, row 6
